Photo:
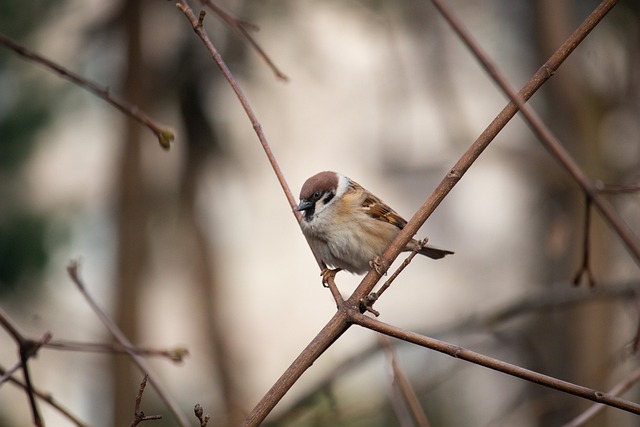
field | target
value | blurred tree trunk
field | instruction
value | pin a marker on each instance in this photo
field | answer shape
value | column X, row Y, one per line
column 132, row 215
column 203, row 152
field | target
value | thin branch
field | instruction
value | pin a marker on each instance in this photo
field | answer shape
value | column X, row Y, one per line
column 27, row 349
column 481, row 143
column 585, row 266
column 549, row 141
column 196, row 23
column 616, row 189
column 404, row 385
column 491, row 363
column 400, row 268
column 164, row 134
column 241, row 28
column 138, row 415
column 48, row 398
column 74, row 274
column 176, row 355
column 595, row 409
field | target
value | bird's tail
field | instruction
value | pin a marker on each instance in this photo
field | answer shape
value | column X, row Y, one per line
column 434, row 253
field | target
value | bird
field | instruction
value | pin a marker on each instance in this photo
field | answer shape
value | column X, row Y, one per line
column 347, row 227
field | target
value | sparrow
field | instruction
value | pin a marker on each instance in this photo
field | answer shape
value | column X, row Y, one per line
column 347, row 227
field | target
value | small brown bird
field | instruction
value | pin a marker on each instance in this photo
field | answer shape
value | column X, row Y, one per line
column 347, row 227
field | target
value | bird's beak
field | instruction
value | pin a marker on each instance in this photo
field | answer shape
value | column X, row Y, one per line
column 304, row 205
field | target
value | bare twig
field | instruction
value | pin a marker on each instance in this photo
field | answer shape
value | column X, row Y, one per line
column 74, row 274
column 196, row 23
column 481, row 143
column 616, row 189
column 585, row 267
column 241, row 28
column 138, row 415
column 595, row 409
column 549, row 141
column 176, row 355
column 400, row 268
column 164, row 134
column 48, row 398
column 27, row 349
column 491, row 363
column 404, row 385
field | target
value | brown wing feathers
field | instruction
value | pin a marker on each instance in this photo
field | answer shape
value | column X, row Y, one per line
column 377, row 209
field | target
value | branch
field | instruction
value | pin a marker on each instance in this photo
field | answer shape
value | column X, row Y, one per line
column 549, row 141
column 595, row 409
column 176, row 355
column 196, row 23
column 74, row 274
column 240, row 27
column 138, row 415
column 404, row 385
column 164, row 134
column 491, row 363
column 481, row 143
column 47, row 398
column 27, row 349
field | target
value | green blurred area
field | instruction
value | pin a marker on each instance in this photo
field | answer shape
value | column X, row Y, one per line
column 25, row 108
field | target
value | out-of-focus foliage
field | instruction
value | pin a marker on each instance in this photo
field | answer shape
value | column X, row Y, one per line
column 25, row 107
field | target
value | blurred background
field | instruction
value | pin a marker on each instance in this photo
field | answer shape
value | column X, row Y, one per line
column 197, row 247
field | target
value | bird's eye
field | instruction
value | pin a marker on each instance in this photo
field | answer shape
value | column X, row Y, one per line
column 317, row 195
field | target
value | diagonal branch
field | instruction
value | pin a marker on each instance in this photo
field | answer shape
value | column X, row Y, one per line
column 481, row 143
column 164, row 134
column 74, row 274
column 491, row 363
column 241, row 27
column 338, row 324
column 196, row 23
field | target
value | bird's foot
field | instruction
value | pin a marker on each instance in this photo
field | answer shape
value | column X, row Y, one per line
column 376, row 264
column 327, row 274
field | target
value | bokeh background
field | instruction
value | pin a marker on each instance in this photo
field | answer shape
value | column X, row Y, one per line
column 197, row 247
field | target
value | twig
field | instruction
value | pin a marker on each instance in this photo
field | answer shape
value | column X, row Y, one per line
column 196, row 23
column 48, row 399
column 27, row 348
column 164, row 134
column 176, row 355
column 481, row 143
column 549, row 141
column 400, row 268
column 595, row 409
column 138, row 415
column 74, row 274
column 404, row 385
column 616, row 189
column 585, row 267
column 491, row 363
column 240, row 27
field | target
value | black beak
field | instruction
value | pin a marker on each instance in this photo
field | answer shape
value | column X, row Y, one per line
column 304, row 205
